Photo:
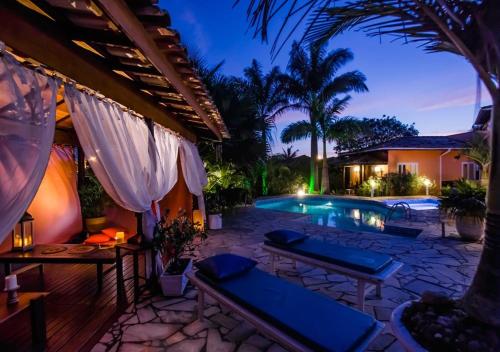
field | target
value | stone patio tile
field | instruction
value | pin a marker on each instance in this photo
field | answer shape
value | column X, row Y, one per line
column 146, row 314
column 216, row 344
column 225, row 321
column 240, row 333
column 187, row 306
column 246, row 347
column 420, row 286
column 188, row 346
column 149, row 331
column 171, row 316
column 175, row 338
column 196, row 326
column 258, row 341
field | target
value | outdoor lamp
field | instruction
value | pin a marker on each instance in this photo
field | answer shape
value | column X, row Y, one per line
column 301, row 192
column 373, row 185
column 198, row 219
column 356, row 168
column 427, row 184
column 23, row 234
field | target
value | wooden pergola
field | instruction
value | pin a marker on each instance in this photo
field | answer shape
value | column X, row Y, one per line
column 125, row 50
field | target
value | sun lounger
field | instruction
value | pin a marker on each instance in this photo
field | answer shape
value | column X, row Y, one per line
column 297, row 318
column 365, row 266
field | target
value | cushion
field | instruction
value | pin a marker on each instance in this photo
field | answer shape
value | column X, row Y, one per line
column 285, row 236
column 350, row 257
column 314, row 319
column 97, row 239
column 225, row 266
column 111, row 231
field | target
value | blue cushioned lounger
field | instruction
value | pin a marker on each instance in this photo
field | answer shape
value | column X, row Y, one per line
column 365, row 266
column 301, row 319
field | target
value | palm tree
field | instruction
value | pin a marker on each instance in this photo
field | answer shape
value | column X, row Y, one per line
column 311, row 82
column 478, row 149
column 330, row 124
column 288, row 154
column 266, row 94
column 467, row 28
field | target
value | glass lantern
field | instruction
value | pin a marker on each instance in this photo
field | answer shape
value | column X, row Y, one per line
column 23, row 235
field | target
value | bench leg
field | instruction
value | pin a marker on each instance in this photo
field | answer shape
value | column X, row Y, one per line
column 379, row 290
column 294, row 263
column 38, row 324
column 201, row 305
column 99, row 276
column 136, row 277
column 361, row 295
column 273, row 263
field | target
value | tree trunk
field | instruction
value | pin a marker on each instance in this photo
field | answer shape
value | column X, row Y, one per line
column 325, row 177
column 264, row 179
column 313, row 176
column 482, row 299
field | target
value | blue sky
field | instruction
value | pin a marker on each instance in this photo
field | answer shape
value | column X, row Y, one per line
column 435, row 91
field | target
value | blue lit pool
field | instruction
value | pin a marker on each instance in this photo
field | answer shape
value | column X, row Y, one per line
column 348, row 214
column 416, row 203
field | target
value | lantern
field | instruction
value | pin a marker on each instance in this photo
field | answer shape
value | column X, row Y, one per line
column 23, row 235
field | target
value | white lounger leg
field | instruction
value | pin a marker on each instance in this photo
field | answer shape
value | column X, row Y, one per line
column 201, row 304
column 361, row 295
column 273, row 262
column 379, row 290
column 294, row 263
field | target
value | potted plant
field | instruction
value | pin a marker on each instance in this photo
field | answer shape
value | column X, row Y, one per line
column 92, row 202
column 465, row 202
column 172, row 239
column 214, row 209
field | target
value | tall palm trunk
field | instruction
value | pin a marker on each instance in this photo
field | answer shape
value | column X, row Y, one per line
column 264, row 171
column 482, row 299
column 313, row 176
column 325, row 177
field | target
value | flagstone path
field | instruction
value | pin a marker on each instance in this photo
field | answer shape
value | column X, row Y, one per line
column 431, row 263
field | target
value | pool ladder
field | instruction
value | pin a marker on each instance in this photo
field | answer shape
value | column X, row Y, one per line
column 399, row 205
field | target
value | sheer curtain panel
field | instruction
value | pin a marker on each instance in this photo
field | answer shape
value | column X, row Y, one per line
column 27, row 125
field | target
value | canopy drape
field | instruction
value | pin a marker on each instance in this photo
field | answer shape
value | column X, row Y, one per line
column 27, row 125
column 165, row 173
column 116, row 145
column 193, row 171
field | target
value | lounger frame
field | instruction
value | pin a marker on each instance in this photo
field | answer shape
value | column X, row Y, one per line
column 363, row 279
column 261, row 325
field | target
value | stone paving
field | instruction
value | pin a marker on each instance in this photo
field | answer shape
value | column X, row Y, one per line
column 431, row 263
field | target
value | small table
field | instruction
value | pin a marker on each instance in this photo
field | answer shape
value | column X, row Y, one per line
column 35, row 302
column 135, row 250
column 99, row 257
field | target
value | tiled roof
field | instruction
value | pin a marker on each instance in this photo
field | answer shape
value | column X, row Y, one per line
column 422, row 142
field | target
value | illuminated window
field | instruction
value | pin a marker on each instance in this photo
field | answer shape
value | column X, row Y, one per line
column 471, row 171
column 408, row 168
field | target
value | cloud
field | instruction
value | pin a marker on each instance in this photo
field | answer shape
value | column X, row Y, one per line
column 453, row 99
column 201, row 42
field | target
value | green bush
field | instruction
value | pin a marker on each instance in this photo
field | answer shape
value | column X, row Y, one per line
column 92, row 196
column 282, row 180
column 464, row 198
column 394, row 184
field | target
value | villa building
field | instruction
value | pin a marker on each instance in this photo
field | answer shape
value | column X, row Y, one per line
column 439, row 158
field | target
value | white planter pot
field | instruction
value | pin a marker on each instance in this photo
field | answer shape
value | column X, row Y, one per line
column 469, row 228
column 402, row 334
column 215, row 221
column 174, row 285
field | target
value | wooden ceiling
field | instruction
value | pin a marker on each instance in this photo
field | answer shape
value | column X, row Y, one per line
column 89, row 26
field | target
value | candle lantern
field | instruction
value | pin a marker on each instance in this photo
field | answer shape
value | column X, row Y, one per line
column 23, row 235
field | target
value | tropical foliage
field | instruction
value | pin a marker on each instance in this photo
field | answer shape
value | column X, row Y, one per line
column 394, row 184
column 467, row 28
column 478, row 149
column 465, row 198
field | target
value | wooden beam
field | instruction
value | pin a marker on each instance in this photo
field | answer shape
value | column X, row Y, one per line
column 121, row 15
column 41, row 39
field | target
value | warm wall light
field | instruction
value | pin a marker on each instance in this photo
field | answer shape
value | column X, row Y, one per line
column 378, row 168
column 427, row 184
column 301, row 193
column 356, row 168
column 320, row 157
column 198, row 219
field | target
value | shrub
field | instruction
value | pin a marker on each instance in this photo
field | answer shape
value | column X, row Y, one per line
column 465, row 198
column 282, row 180
column 394, row 184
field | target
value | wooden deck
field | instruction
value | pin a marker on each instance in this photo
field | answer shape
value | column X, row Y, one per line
column 77, row 315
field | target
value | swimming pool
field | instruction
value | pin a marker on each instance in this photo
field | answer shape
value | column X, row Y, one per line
column 416, row 203
column 348, row 214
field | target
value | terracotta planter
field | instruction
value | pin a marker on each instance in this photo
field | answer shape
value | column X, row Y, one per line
column 174, row 285
column 215, row 221
column 95, row 225
column 470, row 228
column 402, row 334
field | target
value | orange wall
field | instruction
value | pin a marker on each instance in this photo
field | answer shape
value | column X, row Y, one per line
column 56, row 206
column 428, row 163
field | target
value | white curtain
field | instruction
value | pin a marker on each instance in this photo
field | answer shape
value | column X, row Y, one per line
column 193, row 171
column 27, row 125
column 116, row 145
column 165, row 173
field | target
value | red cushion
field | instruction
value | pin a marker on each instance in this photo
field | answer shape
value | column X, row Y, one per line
column 111, row 231
column 97, row 239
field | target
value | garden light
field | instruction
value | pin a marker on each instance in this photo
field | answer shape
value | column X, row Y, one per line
column 301, row 193
column 373, row 184
column 427, row 184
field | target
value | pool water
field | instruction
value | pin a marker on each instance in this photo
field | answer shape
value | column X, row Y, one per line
column 348, row 214
column 416, row 203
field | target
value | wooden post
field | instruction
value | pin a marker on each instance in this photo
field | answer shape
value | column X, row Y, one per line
column 201, row 304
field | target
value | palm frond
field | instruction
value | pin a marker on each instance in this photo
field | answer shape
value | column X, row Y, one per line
column 296, row 131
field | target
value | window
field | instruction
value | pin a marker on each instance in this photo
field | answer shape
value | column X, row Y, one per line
column 471, row 171
column 408, row 168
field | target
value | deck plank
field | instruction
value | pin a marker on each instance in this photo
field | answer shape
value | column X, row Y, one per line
column 77, row 314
